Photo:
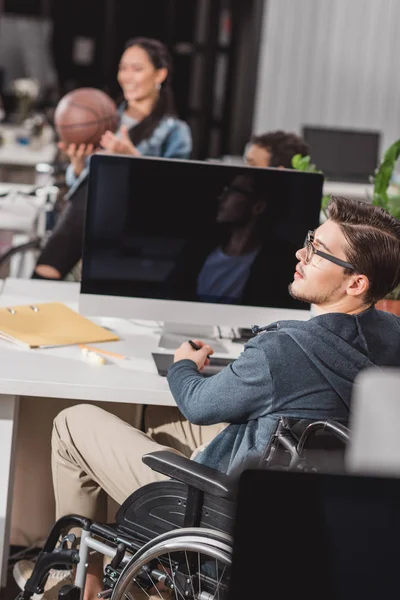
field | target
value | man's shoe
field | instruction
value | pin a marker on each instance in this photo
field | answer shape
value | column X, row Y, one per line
column 22, row 571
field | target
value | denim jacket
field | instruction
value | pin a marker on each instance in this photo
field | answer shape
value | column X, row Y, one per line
column 171, row 138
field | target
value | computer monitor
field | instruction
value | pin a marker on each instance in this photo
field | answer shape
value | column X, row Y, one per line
column 315, row 535
column 348, row 155
column 192, row 242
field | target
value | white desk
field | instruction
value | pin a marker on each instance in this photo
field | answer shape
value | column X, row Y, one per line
column 6, row 187
column 14, row 154
column 61, row 373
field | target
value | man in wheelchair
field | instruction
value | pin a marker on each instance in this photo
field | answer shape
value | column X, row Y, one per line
column 171, row 532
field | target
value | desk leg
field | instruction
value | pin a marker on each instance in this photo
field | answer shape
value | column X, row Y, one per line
column 8, row 430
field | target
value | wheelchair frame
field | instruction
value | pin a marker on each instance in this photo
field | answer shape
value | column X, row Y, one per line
column 295, row 438
column 197, row 516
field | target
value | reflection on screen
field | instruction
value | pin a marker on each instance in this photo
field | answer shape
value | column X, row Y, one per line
column 192, row 231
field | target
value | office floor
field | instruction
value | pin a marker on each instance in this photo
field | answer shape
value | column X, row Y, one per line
column 11, row 591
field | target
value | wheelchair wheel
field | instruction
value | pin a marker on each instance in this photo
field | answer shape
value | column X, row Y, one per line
column 192, row 564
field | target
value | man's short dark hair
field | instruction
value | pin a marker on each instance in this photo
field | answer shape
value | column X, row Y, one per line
column 373, row 236
column 282, row 145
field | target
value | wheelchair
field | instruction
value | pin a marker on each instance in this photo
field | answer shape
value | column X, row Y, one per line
column 172, row 538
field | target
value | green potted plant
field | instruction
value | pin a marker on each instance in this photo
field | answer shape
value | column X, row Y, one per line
column 387, row 196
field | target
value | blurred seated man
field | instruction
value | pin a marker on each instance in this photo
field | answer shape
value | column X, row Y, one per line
column 274, row 149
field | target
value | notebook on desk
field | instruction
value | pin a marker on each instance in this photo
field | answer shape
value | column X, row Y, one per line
column 49, row 324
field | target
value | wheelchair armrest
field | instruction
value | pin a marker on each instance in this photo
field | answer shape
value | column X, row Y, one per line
column 192, row 473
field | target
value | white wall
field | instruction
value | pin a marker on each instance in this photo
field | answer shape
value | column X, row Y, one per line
column 330, row 62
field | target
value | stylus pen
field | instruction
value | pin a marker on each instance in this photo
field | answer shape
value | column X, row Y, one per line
column 196, row 347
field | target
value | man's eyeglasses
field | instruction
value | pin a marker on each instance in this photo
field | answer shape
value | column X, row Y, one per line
column 311, row 250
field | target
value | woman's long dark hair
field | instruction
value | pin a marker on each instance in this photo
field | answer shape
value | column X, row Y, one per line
column 165, row 106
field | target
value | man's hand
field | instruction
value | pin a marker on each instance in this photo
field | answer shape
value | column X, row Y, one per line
column 77, row 154
column 118, row 145
column 200, row 357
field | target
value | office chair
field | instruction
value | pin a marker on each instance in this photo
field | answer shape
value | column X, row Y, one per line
column 25, row 215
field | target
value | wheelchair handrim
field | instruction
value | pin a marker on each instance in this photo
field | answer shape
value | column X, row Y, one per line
column 220, row 539
column 214, row 549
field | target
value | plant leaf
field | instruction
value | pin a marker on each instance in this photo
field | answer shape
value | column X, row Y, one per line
column 382, row 178
column 296, row 162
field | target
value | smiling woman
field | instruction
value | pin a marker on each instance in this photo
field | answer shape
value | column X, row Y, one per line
column 145, row 74
column 148, row 126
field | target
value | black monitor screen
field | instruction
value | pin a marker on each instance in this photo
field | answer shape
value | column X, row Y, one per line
column 196, row 231
column 343, row 155
column 334, row 537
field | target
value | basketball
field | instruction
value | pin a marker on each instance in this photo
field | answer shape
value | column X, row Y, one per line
column 83, row 115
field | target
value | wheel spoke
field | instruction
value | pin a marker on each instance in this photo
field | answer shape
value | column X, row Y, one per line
column 154, row 584
column 220, row 579
column 189, row 572
column 177, row 591
column 169, row 575
column 142, row 588
column 199, row 572
column 173, row 571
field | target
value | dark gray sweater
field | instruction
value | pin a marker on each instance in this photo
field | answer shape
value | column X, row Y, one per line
column 301, row 369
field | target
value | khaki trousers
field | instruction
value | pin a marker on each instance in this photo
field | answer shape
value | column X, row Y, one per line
column 95, row 454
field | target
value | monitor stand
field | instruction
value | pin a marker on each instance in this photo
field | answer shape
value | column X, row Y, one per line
column 174, row 334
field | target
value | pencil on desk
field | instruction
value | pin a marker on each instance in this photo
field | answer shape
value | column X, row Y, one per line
column 100, row 351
